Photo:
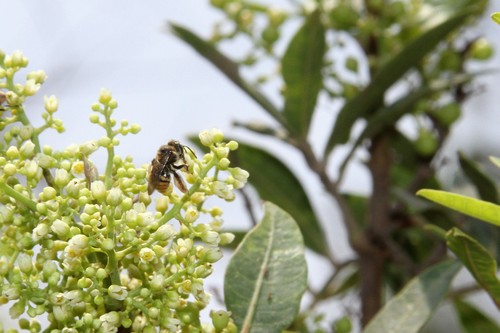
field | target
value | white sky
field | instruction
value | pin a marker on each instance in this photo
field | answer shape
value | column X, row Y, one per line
column 164, row 86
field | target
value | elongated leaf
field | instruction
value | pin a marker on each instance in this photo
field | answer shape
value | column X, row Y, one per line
column 486, row 187
column 371, row 98
column 479, row 209
column 410, row 309
column 267, row 275
column 276, row 183
column 301, row 69
column 478, row 261
column 228, row 67
column 473, row 320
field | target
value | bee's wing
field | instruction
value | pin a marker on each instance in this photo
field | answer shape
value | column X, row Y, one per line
column 179, row 182
column 153, row 176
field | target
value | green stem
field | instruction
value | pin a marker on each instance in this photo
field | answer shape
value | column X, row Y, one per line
column 112, row 266
column 111, row 150
column 18, row 196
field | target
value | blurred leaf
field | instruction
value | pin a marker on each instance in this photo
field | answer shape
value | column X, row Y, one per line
column 228, row 67
column 388, row 116
column 276, row 183
column 301, row 69
column 495, row 160
column 486, row 188
column 473, row 320
column 410, row 309
column 478, row 261
column 482, row 210
column 371, row 98
column 267, row 274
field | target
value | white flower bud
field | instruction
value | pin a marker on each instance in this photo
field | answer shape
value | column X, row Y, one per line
column 210, row 237
column 104, row 96
column 98, row 190
column 146, row 254
column 61, row 177
column 206, row 138
column 26, row 132
column 60, row 228
column 226, row 238
column 114, row 197
column 27, row 149
column 117, row 292
column 89, row 147
column 31, row 88
column 31, row 169
column 38, row 76
column 25, row 263
column 164, row 232
column 191, row 215
column 40, row 231
column 212, row 255
column 51, row 103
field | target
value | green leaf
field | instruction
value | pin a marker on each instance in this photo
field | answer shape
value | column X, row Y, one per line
column 486, row 188
column 478, row 261
column 479, row 209
column 496, row 17
column 301, row 69
column 473, row 320
column 267, row 274
column 276, row 183
column 410, row 309
column 228, row 67
column 371, row 98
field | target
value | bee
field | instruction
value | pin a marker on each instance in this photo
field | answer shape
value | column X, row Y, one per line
column 169, row 159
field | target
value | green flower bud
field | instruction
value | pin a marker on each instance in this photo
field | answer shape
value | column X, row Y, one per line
column 11, row 293
column 222, row 152
column 9, row 169
column 113, row 104
column 17, row 309
column 38, row 76
column 101, row 274
column 223, row 163
column 12, row 153
column 135, row 128
column 220, row 319
column 94, row 117
column 108, row 244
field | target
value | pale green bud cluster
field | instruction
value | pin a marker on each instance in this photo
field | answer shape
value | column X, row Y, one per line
column 88, row 249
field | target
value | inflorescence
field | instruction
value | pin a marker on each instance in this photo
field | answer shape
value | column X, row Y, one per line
column 89, row 249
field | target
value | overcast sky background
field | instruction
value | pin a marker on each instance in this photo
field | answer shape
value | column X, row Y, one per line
column 169, row 90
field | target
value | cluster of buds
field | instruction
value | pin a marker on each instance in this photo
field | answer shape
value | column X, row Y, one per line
column 89, row 250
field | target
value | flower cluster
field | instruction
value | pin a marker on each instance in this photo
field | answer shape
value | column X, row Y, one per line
column 90, row 249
